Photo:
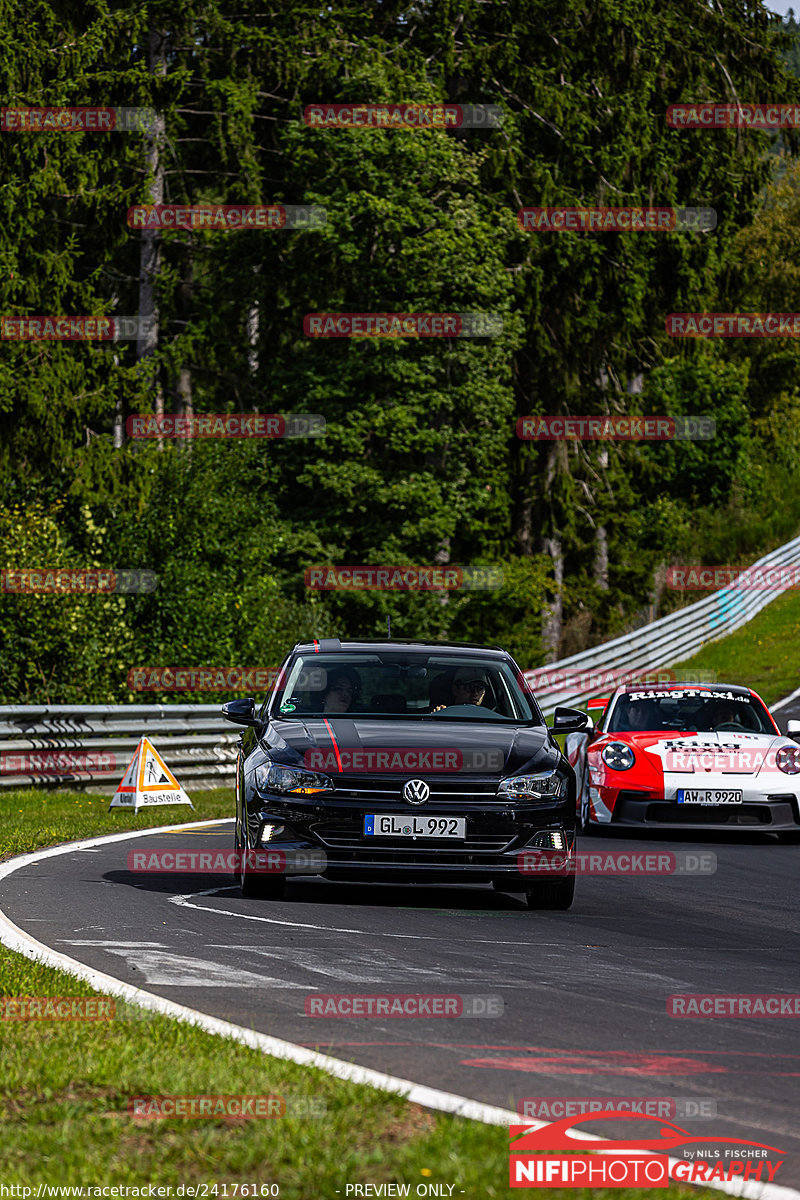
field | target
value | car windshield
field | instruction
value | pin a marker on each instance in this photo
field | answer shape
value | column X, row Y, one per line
column 688, row 710
column 402, row 685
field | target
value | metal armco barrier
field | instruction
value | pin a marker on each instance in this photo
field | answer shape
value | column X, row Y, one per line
column 668, row 640
column 89, row 746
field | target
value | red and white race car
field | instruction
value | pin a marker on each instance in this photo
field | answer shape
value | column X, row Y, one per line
column 702, row 756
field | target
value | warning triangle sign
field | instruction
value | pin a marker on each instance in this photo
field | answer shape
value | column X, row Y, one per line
column 148, row 780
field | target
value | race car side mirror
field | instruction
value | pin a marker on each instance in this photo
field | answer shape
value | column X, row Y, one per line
column 568, row 720
column 241, row 712
column 793, row 730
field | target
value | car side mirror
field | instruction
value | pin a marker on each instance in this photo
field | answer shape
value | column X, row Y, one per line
column 793, row 730
column 569, row 720
column 241, row 712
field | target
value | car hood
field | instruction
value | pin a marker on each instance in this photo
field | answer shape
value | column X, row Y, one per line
column 726, row 752
column 506, row 749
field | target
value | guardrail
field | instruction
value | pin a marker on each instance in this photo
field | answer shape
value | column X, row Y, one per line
column 660, row 644
column 89, row 746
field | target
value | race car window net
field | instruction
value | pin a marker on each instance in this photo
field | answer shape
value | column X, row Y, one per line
column 691, row 710
column 403, row 685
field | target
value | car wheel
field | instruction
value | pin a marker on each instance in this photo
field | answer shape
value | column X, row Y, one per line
column 555, row 894
column 256, row 885
column 584, row 824
column 237, row 874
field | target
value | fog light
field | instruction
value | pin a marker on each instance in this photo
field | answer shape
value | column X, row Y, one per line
column 549, row 839
column 268, row 832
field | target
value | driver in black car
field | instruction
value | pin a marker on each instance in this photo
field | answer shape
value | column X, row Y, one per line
column 468, row 687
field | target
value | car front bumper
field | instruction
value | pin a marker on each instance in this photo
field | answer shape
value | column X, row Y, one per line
column 767, row 812
column 496, row 838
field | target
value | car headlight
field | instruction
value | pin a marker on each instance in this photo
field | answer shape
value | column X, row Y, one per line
column 548, row 785
column 291, row 781
column 788, row 760
column 618, row 756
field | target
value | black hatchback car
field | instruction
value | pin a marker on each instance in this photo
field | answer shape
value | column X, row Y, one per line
column 404, row 761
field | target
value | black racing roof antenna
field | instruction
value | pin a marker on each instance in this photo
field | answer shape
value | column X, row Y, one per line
column 388, row 628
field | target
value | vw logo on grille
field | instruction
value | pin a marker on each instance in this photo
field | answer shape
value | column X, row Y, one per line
column 416, row 791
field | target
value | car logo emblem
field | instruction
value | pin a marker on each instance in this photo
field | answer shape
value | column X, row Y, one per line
column 416, row 791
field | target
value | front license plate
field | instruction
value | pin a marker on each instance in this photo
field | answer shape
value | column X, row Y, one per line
column 391, row 825
column 708, row 796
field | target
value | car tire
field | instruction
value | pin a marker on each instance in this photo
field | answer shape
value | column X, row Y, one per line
column 237, row 874
column 254, row 885
column 585, row 826
column 555, row 894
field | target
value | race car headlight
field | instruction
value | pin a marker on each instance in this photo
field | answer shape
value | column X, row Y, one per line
column 291, row 781
column 788, row 760
column 547, row 786
column 618, row 756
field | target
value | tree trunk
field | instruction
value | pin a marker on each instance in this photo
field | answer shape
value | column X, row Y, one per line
column 150, row 249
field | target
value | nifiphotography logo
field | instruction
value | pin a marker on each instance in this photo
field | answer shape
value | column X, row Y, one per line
column 664, row 1154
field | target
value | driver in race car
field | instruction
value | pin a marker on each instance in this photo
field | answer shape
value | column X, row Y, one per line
column 642, row 715
column 721, row 712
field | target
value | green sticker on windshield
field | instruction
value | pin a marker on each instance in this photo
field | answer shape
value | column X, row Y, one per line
column 288, row 707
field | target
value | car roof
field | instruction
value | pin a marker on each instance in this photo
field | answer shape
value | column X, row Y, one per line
column 335, row 646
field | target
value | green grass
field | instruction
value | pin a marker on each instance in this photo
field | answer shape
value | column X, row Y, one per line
column 33, row 818
column 65, row 1085
column 764, row 654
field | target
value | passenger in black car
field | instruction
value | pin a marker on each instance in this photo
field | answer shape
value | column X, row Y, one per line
column 343, row 688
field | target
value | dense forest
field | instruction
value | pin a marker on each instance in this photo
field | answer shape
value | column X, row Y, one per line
column 419, row 461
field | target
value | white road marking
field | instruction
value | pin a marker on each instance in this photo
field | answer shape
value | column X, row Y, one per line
column 19, row 940
column 164, row 968
column 185, row 901
column 101, row 942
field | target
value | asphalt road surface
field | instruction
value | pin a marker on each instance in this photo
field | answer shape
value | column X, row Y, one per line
column 584, row 993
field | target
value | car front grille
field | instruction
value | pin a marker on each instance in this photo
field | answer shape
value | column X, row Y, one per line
column 444, row 789
column 711, row 814
column 349, row 835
